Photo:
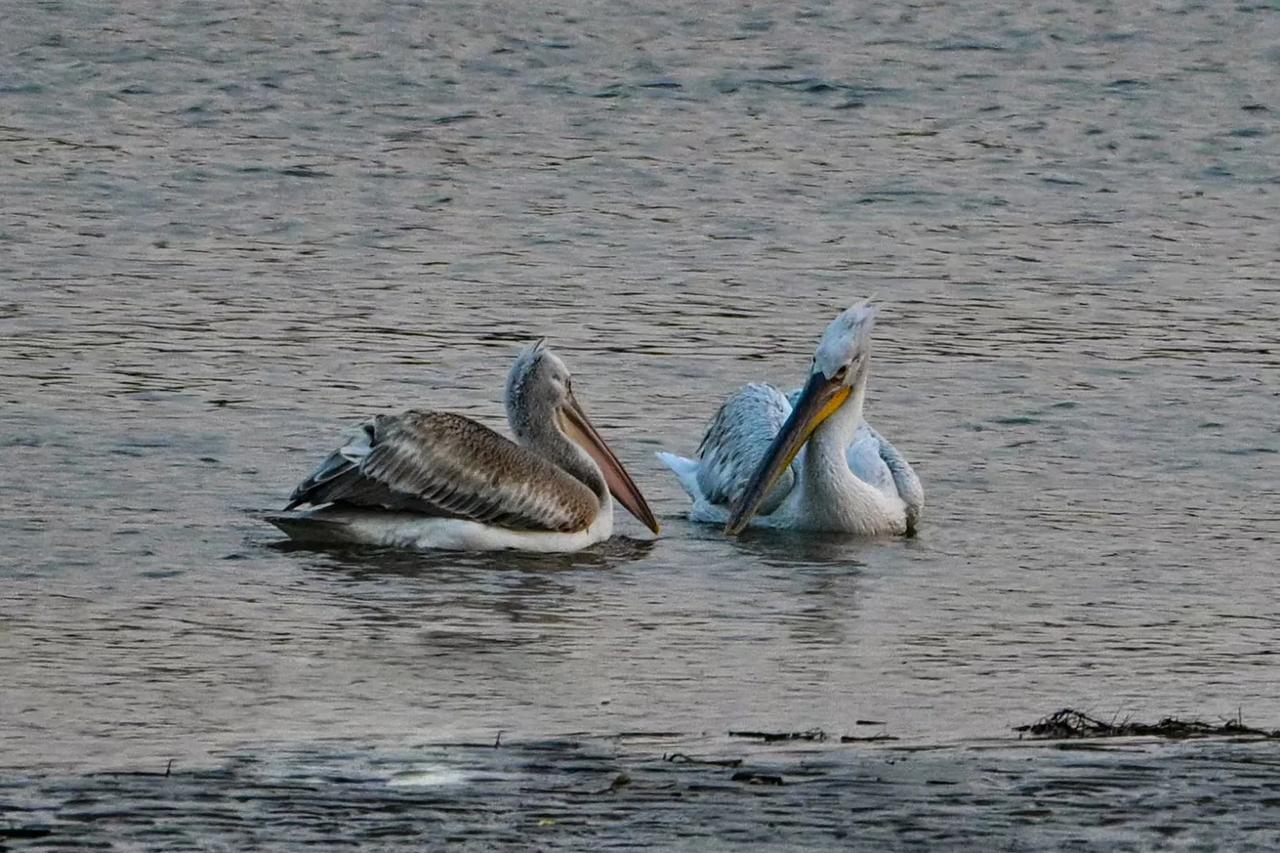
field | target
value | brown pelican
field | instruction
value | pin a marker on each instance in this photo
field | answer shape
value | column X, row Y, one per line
column 807, row 461
column 440, row 480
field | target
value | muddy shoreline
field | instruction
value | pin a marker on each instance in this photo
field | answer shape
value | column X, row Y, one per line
column 676, row 792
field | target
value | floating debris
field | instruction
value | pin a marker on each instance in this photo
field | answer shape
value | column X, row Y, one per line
column 867, row 739
column 1069, row 723
column 619, row 782
column 681, row 758
column 752, row 778
column 773, row 737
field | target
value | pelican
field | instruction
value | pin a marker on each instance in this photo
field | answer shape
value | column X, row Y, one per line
column 808, row 460
column 429, row 480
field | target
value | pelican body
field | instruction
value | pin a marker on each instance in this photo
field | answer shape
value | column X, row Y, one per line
column 437, row 480
column 808, row 460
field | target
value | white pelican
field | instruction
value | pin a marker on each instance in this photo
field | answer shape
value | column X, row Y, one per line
column 808, row 461
column 439, row 480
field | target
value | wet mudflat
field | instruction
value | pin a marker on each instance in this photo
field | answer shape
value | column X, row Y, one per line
column 641, row 790
column 229, row 232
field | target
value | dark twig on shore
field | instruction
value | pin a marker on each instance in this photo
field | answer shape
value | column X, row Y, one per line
column 752, row 778
column 681, row 758
column 1069, row 723
column 619, row 782
column 772, row 737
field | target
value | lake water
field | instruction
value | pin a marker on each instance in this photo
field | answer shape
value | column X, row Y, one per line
column 227, row 232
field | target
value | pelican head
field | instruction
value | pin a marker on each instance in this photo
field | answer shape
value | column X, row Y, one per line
column 840, row 368
column 540, row 397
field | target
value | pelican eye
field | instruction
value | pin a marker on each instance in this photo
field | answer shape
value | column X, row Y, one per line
column 841, row 373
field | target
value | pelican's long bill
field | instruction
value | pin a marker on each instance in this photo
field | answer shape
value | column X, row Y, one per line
column 579, row 428
column 819, row 399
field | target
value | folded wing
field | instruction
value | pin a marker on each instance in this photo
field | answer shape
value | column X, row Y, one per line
column 736, row 443
column 446, row 465
column 875, row 461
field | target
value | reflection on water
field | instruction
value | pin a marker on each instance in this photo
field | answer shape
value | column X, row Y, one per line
column 790, row 548
column 227, row 233
column 362, row 562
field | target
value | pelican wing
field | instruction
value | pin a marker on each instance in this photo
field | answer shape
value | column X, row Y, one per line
column 866, row 463
column 905, row 480
column 874, row 460
column 736, row 443
column 442, row 464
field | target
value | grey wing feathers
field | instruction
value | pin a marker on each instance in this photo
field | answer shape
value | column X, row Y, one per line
column 441, row 464
column 904, row 476
column 335, row 474
column 736, row 443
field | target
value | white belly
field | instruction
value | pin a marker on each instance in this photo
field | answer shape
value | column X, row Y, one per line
column 875, row 515
column 332, row 525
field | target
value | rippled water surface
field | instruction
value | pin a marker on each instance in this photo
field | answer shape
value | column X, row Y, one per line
column 229, row 230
